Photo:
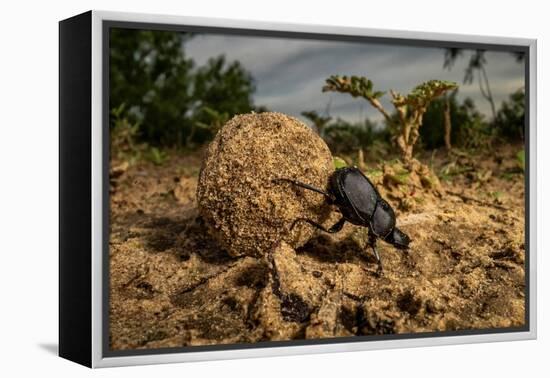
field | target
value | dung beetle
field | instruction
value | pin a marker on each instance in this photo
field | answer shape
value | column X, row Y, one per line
column 360, row 204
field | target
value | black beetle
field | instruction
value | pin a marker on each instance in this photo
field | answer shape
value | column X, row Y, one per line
column 359, row 203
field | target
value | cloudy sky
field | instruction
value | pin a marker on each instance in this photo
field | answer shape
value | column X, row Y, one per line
column 289, row 73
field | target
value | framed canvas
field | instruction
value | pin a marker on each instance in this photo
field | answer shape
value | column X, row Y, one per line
column 234, row 189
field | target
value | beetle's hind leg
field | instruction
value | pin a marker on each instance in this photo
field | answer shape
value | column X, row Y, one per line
column 333, row 229
column 372, row 244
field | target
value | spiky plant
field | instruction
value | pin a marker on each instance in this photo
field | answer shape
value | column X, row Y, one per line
column 410, row 108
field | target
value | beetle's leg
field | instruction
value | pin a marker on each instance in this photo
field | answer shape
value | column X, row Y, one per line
column 273, row 272
column 378, row 259
column 336, row 227
column 372, row 243
column 329, row 197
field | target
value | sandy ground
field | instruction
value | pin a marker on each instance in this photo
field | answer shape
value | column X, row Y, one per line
column 171, row 285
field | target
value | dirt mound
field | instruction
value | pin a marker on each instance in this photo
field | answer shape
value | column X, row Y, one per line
column 173, row 285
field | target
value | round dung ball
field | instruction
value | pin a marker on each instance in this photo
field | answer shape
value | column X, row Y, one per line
column 244, row 205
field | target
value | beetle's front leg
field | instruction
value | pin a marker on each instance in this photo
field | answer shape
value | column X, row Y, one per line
column 328, row 196
column 372, row 244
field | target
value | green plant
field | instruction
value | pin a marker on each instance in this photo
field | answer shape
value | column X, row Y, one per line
column 339, row 162
column 123, row 141
column 473, row 131
column 123, row 137
column 211, row 122
column 509, row 122
column 520, row 157
column 410, row 108
column 469, row 128
column 344, row 137
column 156, row 156
column 165, row 92
column 221, row 90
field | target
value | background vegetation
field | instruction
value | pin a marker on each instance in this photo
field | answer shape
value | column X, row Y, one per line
column 161, row 99
column 155, row 87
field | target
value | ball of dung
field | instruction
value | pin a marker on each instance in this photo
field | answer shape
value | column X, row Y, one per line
column 244, row 205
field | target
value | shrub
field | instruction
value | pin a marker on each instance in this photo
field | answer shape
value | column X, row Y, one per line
column 510, row 120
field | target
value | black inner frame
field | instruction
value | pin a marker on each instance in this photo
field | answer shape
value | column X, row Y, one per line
column 107, row 25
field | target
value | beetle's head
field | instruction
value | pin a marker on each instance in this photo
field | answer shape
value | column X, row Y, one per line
column 398, row 239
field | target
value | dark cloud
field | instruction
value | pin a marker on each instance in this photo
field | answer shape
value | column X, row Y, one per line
column 289, row 73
